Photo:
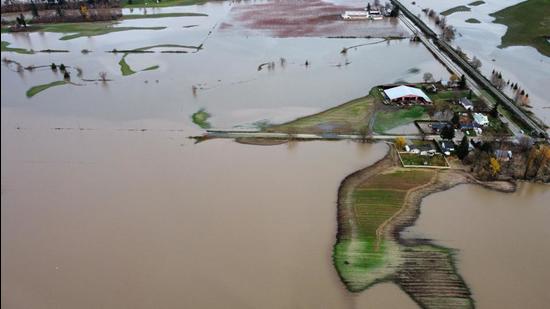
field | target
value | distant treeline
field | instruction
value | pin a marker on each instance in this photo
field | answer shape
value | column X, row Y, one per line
column 11, row 6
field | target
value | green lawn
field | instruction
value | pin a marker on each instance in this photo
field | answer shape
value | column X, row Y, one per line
column 5, row 48
column 473, row 21
column 460, row 8
column 161, row 15
column 388, row 120
column 528, row 25
column 348, row 118
column 77, row 30
column 36, row 89
column 200, row 118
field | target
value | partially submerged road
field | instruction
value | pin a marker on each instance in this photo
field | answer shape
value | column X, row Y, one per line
column 475, row 80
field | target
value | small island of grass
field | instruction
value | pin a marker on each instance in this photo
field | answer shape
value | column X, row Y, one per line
column 460, row 8
column 200, row 118
column 5, row 48
column 77, row 30
column 473, row 21
column 37, row 89
column 476, row 3
column 528, row 25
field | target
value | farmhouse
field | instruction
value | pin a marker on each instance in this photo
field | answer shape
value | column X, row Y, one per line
column 468, row 105
column 405, row 94
column 480, row 119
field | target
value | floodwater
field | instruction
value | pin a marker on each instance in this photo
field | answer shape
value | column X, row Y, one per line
column 106, row 202
column 502, row 241
column 119, row 219
column 225, row 72
column 521, row 64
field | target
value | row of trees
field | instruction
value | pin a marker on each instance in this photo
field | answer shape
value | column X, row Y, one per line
column 448, row 32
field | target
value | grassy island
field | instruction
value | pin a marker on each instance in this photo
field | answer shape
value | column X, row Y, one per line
column 77, row 30
column 528, row 25
column 37, row 89
column 200, row 118
column 473, row 21
column 460, row 8
column 5, row 48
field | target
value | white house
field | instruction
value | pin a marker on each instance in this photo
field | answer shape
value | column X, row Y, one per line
column 481, row 119
column 468, row 105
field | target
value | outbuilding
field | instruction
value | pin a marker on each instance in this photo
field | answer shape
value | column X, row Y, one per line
column 405, row 93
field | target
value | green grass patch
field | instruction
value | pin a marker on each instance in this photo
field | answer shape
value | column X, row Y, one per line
column 388, row 120
column 416, row 159
column 161, row 15
column 460, row 8
column 151, row 68
column 476, row 3
column 528, row 25
column 78, row 30
column 5, row 48
column 361, row 257
column 163, row 3
column 348, row 118
column 37, row 89
column 473, row 21
column 200, row 118
column 125, row 68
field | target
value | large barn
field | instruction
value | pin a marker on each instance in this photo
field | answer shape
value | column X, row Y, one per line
column 406, row 93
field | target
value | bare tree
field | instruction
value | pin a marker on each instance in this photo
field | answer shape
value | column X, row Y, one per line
column 476, row 63
column 103, row 76
column 427, row 77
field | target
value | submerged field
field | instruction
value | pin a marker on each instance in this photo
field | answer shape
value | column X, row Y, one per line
column 363, row 254
column 528, row 24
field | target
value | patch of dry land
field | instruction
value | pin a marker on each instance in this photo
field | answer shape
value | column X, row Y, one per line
column 374, row 205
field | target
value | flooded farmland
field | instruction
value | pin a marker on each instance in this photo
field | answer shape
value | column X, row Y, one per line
column 502, row 241
column 107, row 203
column 520, row 64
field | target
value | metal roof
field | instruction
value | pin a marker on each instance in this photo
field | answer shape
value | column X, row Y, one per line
column 405, row 91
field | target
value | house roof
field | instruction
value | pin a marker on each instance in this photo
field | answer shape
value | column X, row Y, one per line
column 466, row 103
column 480, row 118
column 405, row 91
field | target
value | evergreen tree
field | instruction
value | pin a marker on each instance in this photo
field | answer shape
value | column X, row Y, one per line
column 34, row 10
column 462, row 82
column 448, row 132
column 455, row 120
column 462, row 150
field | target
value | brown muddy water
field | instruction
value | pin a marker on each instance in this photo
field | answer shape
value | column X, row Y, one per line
column 106, row 203
column 120, row 219
column 502, row 241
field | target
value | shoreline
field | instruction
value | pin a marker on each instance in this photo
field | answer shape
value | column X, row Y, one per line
column 423, row 270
